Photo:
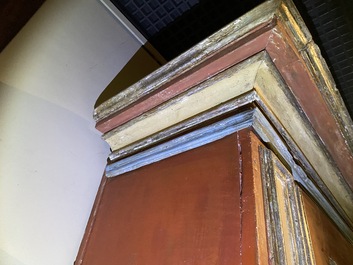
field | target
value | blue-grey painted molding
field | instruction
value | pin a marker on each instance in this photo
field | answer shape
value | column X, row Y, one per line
column 183, row 143
column 177, row 129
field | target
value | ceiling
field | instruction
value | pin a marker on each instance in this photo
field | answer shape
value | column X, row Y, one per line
column 174, row 26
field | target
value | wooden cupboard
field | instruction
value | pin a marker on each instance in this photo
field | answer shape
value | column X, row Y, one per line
column 239, row 151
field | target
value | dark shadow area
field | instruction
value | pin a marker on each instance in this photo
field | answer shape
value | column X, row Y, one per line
column 13, row 16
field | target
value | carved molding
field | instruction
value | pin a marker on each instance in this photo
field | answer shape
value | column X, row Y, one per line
column 262, row 71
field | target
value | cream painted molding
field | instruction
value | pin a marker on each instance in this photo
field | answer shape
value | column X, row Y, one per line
column 232, row 83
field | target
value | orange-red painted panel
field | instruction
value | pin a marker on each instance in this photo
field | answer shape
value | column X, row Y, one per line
column 329, row 245
column 182, row 210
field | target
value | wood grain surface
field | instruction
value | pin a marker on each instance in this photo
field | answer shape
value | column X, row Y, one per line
column 254, row 238
column 329, row 245
column 182, row 210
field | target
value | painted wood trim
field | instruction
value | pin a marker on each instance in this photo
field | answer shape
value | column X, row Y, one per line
column 217, row 90
column 311, row 100
column 280, row 143
column 278, row 29
column 259, row 17
column 182, row 144
column 244, row 101
column 280, row 14
column 282, row 25
column 274, row 94
column 284, row 218
column 309, row 52
column 331, row 210
column 253, row 213
column 195, row 139
column 227, row 57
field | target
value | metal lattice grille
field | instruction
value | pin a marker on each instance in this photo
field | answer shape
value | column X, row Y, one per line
column 151, row 16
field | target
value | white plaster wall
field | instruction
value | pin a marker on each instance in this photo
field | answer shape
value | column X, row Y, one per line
column 51, row 157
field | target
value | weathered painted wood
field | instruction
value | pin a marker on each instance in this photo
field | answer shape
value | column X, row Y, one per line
column 182, row 144
column 184, row 210
column 329, row 246
column 290, row 19
column 230, row 106
column 230, row 84
column 301, row 82
column 253, row 212
column 289, row 241
column 195, row 76
column 275, row 27
column 266, row 59
column 240, row 28
column 331, row 210
column 259, row 73
column 277, row 97
column 260, row 124
column 290, row 154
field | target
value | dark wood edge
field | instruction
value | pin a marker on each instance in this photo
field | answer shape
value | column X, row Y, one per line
column 91, row 221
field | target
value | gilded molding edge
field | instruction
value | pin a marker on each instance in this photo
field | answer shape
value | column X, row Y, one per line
column 289, row 243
